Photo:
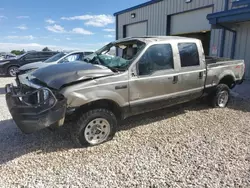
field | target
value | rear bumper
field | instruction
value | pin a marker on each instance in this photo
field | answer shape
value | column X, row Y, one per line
column 32, row 118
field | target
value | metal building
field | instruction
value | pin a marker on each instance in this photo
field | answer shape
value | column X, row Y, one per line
column 223, row 26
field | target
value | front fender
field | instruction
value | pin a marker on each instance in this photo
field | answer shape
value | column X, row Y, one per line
column 76, row 99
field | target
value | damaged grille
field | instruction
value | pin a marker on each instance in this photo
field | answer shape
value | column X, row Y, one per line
column 42, row 99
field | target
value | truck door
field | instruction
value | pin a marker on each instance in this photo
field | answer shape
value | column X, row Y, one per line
column 153, row 78
column 192, row 69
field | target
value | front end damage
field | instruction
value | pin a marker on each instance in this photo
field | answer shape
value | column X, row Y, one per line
column 35, row 108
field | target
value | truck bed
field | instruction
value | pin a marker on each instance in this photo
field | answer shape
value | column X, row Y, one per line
column 211, row 60
column 218, row 68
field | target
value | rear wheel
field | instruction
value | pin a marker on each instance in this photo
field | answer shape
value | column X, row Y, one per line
column 94, row 127
column 12, row 71
column 221, row 96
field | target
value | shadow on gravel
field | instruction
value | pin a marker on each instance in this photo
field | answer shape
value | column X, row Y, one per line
column 14, row 144
column 240, row 104
column 158, row 115
column 154, row 116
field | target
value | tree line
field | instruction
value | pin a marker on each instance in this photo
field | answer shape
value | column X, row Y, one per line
column 20, row 52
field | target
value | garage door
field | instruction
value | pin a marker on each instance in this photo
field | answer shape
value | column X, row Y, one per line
column 135, row 30
column 190, row 22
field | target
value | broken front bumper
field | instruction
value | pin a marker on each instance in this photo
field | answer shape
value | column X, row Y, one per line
column 33, row 117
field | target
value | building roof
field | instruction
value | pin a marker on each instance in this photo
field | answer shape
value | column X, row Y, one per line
column 149, row 39
column 229, row 16
column 137, row 6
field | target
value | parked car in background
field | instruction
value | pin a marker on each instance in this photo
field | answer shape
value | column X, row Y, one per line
column 148, row 73
column 62, row 57
column 7, row 56
column 2, row 57
column 10, row 66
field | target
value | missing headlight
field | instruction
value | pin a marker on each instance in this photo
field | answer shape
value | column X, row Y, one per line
column 45, row 94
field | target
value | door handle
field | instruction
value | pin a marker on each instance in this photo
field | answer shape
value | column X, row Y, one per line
column 121, row 87
column 175, row 79
column 201, row 75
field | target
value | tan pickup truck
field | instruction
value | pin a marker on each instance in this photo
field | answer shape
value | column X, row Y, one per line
column 126, row 77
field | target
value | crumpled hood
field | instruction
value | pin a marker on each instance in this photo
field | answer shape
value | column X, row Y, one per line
column 35, row 65
column 55, row 76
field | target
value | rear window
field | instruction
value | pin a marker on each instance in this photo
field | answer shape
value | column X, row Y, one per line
column 47, row 54
column 88, row 53
column 189, row 54
column 32, row 55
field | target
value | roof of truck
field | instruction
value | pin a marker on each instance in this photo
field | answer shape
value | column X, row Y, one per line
column 148, row 39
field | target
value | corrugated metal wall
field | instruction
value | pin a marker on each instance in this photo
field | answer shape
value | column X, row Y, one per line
column 156, row 14
column 243, row 45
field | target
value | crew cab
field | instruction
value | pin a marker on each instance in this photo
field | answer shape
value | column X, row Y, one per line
column 10, row 66
column 145, row 74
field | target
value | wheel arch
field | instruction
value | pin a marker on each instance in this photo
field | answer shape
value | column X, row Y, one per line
column 7, row 67
column 111, row 105
column 12, row 65
column 228, row 79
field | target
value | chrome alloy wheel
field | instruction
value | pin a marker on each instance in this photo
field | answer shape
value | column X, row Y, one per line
column 13, row 71
column 97, row 131
column 223, row 98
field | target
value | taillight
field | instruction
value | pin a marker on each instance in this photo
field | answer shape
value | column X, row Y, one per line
column 243, row 67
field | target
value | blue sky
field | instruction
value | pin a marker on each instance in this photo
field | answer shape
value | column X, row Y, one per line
column 58, row 24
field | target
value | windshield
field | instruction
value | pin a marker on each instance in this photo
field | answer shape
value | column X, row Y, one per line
column 55, row 57
column 19, row 56
column 116, row 56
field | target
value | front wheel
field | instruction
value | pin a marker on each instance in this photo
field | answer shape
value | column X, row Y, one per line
column 94, row 127
column 220, row 97
column 12, row 71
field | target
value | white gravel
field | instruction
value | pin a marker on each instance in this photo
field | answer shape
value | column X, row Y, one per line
column 187, row 146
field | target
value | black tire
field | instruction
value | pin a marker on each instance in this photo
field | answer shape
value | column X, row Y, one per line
column 214, row 96
column 9, row 70
column 77, row 130
column 53, row 127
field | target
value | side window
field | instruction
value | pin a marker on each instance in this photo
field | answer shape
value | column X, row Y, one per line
column 73, row 57
column 42, row 54
column 189, row 54
column 87, row 53
column 31, row 56
column 157, row 57
column 46, row 54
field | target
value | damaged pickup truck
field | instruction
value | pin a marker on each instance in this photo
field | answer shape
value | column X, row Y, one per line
column 124, row 78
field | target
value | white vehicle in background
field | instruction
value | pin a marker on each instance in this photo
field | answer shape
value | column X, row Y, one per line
column 7, row 56
column 62, row 57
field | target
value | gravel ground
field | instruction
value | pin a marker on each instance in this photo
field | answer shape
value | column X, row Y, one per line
column 189, row 145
